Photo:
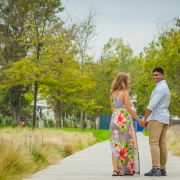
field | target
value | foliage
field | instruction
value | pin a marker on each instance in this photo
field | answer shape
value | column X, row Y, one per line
column 5, row 121
column 116, row 57
column 164, row 53
column 42, row 57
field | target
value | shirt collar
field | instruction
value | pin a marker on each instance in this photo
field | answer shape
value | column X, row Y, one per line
column 161, row 82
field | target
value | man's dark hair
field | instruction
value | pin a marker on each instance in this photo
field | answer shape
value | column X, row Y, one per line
column 158, row 69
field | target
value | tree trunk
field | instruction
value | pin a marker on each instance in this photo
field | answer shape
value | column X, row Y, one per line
column 35, row 103
column 15, row 103
column 85, row 119
column 73, row 112
column 36, row 83
column 95, row 122
column 15, row 114
column 58, row 115
column 82, row 119
column 62, row 120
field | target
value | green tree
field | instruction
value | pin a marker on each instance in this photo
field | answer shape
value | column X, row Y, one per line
column 42, row 14
column 13, row 16
column 164, row 53
column 116, row 57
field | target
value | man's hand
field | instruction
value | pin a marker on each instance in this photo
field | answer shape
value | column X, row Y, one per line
column 145, row 122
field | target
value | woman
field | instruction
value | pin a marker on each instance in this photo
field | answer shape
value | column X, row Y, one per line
column 123, row 141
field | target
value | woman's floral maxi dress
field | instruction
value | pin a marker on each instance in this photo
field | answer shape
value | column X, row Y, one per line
column 123, row 139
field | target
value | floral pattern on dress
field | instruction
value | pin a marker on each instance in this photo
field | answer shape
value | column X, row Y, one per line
column 123, row 141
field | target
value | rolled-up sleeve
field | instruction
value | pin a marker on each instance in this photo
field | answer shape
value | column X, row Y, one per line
column 156, row 97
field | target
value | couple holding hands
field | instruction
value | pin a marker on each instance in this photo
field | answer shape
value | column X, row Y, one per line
column 123, row 140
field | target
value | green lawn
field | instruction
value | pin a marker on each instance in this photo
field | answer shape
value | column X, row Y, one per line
column 100, row 135
column 145, row 132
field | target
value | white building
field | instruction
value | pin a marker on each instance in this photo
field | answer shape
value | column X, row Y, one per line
column 44, row 112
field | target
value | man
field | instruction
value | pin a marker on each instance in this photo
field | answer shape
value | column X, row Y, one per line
column 156, row 118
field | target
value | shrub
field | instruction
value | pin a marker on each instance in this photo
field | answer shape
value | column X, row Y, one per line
column 6, row 121
column 25, row 151
column 173, row 139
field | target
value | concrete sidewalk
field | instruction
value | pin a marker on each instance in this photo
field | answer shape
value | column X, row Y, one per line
column 94, row 163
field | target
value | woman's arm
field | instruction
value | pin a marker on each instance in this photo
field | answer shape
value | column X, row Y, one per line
column 112, row 107
column 128, row 106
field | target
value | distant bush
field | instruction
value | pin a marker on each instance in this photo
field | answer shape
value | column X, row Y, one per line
column 71, row 122
column 5, row 121
column 49, row 123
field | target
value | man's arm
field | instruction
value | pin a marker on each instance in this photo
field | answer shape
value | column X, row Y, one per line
column 128, row 106
column 153, row 103
column 146, row 114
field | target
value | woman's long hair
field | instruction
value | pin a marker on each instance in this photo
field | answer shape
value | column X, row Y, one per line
column 120, row 83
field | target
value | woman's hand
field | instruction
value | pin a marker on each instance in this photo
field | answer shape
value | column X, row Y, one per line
column 141, row 122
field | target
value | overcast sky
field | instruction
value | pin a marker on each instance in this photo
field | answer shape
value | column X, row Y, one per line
column 135, row 21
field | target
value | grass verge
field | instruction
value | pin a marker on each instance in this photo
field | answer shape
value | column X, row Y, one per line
column 25, row 151
column 173, row 139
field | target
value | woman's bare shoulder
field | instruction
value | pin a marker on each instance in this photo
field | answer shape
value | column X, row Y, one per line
column 120, row 93
column 123, row 92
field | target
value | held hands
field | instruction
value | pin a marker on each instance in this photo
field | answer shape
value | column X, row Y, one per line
column 141, row 122
column 145, row 122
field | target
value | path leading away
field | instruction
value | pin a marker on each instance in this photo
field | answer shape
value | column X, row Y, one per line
column 94, row 163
